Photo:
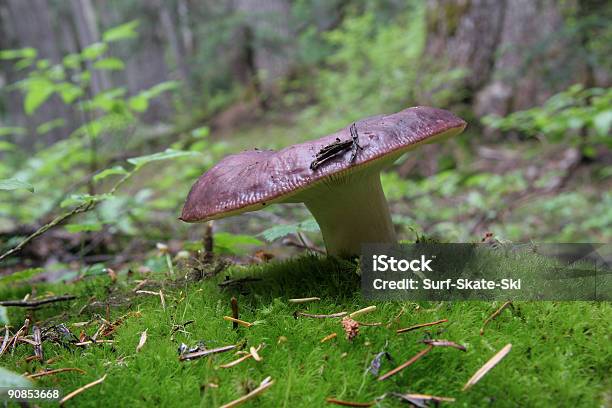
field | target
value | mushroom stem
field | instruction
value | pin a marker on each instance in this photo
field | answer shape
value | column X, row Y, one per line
column 352, row 213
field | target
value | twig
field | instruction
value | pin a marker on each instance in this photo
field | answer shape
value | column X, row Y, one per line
column 444, row 343
column 304, row 300
column 162, row 299
column 418, row 326
column 420, row 399
column 348, row 403
column 494, row 315
column 488, row 366
column 88, row 342
column 253, row 352
column 204, row 353
column 5, row 340
column 362, row 311
column 80, row 390
column 319, row 316
column 406, row 364
column 374, row 324
column 35, row 303
column 140, row 285
column 237, row 321
column 81, row 208
column 240, row 360
column 265, row 384
column 56, row 371
column 38, row 351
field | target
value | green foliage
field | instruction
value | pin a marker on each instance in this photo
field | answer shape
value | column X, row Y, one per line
column 280, row 231
column 234, row 244
column 121, row 32
column 578, row 115
column 21, row 276
column 9, row 379
column 14, row 184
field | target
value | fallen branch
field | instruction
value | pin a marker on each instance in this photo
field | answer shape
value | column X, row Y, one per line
column 406, row 364
column 35, row 303
column 418, row 326
column 56, row 371
column 348, row 403
column 265, row 384
column 235, row 312
column 80, row 390
column 204, row 353
column 488, row 366
column 494, row 315
column 319, row 316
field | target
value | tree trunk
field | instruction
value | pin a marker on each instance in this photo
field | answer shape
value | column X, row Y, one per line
column 510, row 48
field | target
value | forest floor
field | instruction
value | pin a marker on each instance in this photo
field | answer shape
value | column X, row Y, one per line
column 560, row 352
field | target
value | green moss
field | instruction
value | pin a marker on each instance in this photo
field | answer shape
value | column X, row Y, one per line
column 560, row 354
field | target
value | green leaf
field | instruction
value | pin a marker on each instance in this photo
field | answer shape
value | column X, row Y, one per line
column 72, row 61
column 29, row 53
column 68, row 92
column 79, row 199
column 14, row 184
column 111, row 64
column 38, row 91
column 110, row 172
column 138, row 103
column 9, row 379
column 74, row 228
column 6, row 146
column 50, row 125
column 22, row 275
column 603, row 122
column 121, row 32
column 17, row 131
column 227, row 243
column 280, row 231
column 166, row 154
column 94, row 50
column 200, row 132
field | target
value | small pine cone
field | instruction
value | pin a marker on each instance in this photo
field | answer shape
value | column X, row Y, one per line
column 351, row 328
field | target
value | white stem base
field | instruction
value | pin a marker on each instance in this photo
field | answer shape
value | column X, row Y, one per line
column 351, row 213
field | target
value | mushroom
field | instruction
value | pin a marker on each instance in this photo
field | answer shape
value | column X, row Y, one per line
column 337, row 177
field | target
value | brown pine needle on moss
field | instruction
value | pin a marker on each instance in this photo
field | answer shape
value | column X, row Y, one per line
column 80, row 390
column 418, row 326
column 304, row 300
column 254, row 353
column 444, row 343
column 412, row 360
column 204, row 353
column 494, row 315
column 238, row 321
column 348, row 403
column 142, row 341
column 265, row 384
column 362, row 311
column 421, row 399
column 488, row 366
column 329, row 337
column 319, row 316
column 56, row 371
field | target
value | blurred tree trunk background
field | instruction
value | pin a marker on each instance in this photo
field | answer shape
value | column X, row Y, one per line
column 516, row 53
